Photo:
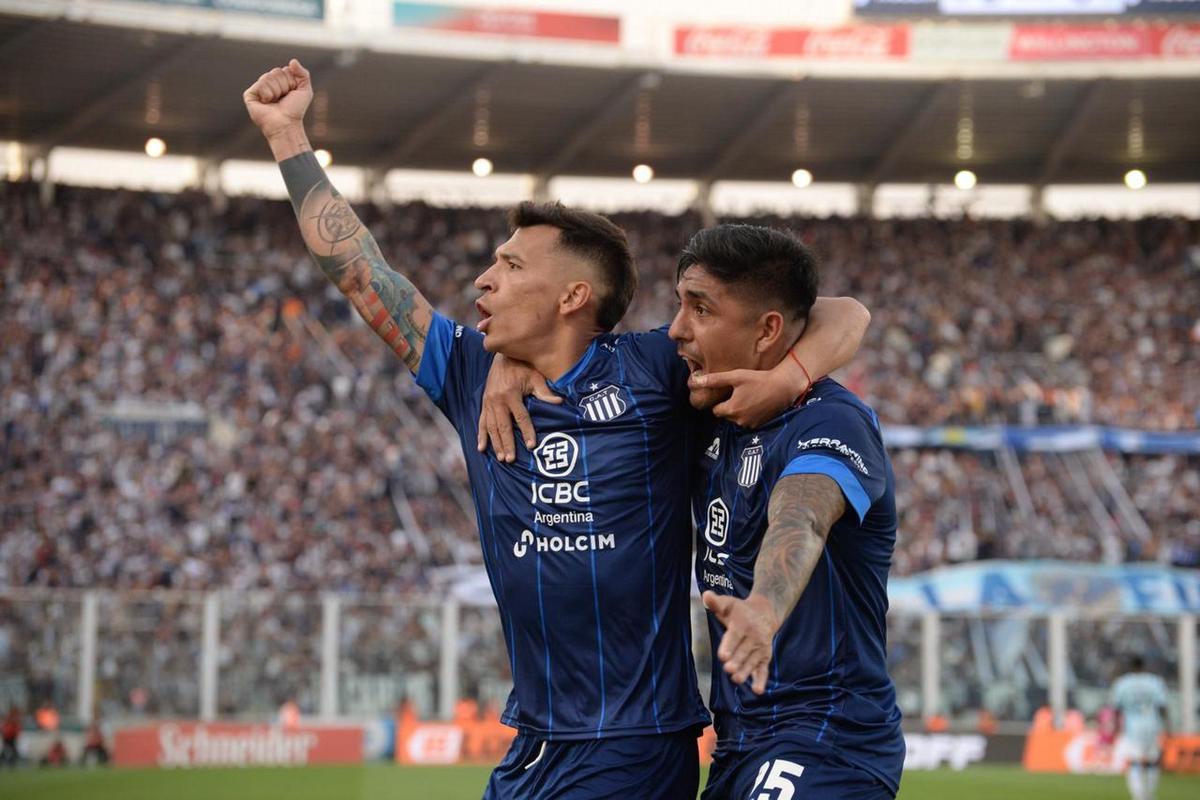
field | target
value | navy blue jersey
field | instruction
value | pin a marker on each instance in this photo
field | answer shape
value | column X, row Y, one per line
column 587, row 539
column 828, row 678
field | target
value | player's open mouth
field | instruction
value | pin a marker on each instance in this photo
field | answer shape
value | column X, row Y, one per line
column 485, row 317
column 694, row 366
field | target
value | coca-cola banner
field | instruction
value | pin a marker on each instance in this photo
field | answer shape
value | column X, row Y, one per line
column 196, row 744
column 853, row 43
column 981, row 43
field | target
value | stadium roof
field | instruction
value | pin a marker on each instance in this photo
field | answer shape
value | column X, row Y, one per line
column 86, row 85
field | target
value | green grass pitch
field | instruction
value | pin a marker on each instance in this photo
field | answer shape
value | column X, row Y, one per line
column 384, row 782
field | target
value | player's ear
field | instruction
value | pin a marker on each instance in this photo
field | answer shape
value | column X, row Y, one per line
column 770, row 331
column 575, row 297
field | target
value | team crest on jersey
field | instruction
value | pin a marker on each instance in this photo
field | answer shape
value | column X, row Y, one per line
column 714, row 449
column 604, row 405
column 751, row 464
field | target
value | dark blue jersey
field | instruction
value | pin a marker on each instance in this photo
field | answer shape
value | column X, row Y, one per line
column 586, row 540
column 828, row 678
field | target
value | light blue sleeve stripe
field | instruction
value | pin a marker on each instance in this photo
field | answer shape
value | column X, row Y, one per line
column 852, row 488
column 431, row 375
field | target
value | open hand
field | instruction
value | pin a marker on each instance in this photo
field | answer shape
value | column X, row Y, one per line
column 509, row 383
column 746, row 647
column 758, row 395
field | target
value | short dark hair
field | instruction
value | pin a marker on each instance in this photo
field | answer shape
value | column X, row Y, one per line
column 768, row 266
column 595, row 238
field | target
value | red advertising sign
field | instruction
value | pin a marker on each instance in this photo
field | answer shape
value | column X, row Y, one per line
column 1079, row 42
column 857, row 42
column 508, row 22
column 1176, row 41
column 474, row 739
column 197, row 744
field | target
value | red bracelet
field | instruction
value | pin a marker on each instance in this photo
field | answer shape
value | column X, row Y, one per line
column 807, row 377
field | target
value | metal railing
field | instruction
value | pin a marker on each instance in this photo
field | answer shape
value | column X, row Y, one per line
column 207, row 655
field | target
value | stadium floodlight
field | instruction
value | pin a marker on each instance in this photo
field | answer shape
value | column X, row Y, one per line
column 155, row 147
column 324, row 157
column 643, row 173
column 1135, row 179
column 482, row 167
column 965, row 179
column 801, row 178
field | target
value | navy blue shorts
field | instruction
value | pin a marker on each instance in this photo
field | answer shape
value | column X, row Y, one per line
column 656, row 767
column 789, row 767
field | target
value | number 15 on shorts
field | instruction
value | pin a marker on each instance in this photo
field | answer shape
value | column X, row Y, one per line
column 774, row 776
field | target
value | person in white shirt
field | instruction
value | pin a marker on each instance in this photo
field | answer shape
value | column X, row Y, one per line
column 1140, row 699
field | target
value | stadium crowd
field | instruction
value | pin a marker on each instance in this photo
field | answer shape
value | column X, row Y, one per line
column 185, row 403
column 317, row 465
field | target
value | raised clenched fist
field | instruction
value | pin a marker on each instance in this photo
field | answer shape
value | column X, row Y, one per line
column 278, row 99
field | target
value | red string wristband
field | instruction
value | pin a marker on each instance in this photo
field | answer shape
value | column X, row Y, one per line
column 807, row 377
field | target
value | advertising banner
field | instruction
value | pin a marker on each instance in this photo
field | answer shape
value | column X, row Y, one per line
column 1044, row 439
column 198, row 744
column 1045, row 586
column 853, row 43
column 304, row 9
column 1080, row 42
column 470, row 739
column 993, row 42
column 1082, row 750
column 1024, row 8
column 508, row 22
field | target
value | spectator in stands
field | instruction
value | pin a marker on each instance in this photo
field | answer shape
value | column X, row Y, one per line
column 56, row 755
column 94, row 749
column 10, row 733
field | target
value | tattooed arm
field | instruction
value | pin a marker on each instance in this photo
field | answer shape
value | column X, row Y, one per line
column 802, row 510
column 337, row 240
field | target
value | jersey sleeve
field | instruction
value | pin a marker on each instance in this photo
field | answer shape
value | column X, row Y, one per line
column 659, row 356
column 1160, row 693
column 842, row 442
column 454, row 365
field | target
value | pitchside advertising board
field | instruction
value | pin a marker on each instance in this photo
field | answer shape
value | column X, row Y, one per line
column 1079, row 749
column 486, row 740
column 198, row 744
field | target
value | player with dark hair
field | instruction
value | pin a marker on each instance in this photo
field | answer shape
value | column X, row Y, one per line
column 1140, row 698
column 796, row 528
column 586, row 534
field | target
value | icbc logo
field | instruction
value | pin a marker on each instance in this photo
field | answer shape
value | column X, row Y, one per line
column 556, row 457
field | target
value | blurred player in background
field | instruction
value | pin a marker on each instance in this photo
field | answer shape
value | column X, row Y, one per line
column 796, row 528
column 1140, row 699
column 585, row 537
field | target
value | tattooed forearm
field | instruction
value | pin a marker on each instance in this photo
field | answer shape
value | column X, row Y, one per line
column 802, row 510
column 349, row 256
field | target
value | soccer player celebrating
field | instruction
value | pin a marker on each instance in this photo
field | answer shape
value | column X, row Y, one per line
column 1140, row 699
column 796, row 526
column 586, row 536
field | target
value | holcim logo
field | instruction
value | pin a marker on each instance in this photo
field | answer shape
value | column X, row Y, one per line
column 200, row 747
